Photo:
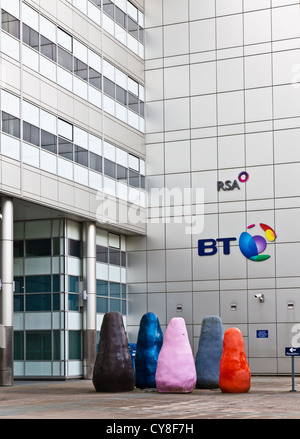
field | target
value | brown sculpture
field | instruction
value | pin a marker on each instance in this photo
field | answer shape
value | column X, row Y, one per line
column 113, row 369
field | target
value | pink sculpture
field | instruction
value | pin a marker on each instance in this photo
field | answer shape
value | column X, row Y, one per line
column 176, row 371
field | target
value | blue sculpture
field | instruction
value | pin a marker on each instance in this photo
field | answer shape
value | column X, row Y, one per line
column 209, row 353
column 149, row 343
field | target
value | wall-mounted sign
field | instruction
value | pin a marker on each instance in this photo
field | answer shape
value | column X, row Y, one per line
column 292, row 352
column 262, row 333
column 251, row 246
column 230, row 185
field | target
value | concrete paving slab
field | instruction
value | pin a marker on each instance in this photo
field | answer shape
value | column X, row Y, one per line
column 268, row 398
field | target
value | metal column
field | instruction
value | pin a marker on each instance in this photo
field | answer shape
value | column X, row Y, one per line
column 90, row 337
column 6, row 297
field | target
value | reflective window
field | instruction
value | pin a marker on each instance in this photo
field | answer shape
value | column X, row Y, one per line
column 95, row 78
column 102, row 287
column 133, row 102
column 111, row 296
column 18, row 303
column 56, row 283
column 65, row 59
column 38, row 284
column 109, row 87
column 10, row 124
column 120, row 17
column 142, row 109
column 48, row 48
column 73, row 303
column 74, row 248
column 38, row 247
column 10, row 24
column 18, row 294
column 108, row 8
column 102, row 305
column 123, row 259
column 38, row 302
column 38, row 345
column 134, row 179
column 122, row 173
column 80, row 69
column 132, row 27
column 55, row 302
column 97, row 2
column 18, row 249
column 109, row 168
column 114, row 256
column 56, row 345
column 73, row 284
column 74, row 345
column 101, row 254
column 115, row 305
column 48, row 141
column 73, row 300
column 31, row 134
column 81, row 155
column 18, row 346
column 114, row 289
column 121, row 95
column 30, row 37
column 141, row 35
column 65, row 149
column 95, row 162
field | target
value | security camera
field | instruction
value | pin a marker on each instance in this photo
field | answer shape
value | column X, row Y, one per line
column 260, row 297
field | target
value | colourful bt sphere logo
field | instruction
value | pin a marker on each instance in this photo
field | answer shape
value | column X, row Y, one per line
column 253, row 246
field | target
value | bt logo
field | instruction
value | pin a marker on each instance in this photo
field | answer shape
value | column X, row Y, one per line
column 253, row 246
column 250, row 246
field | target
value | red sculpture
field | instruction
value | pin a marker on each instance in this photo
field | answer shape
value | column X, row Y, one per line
column 235, row 376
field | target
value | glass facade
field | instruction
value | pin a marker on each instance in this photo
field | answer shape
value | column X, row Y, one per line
column 60, row 60
column 90, row 154
column 48, row 301
column 79, row 160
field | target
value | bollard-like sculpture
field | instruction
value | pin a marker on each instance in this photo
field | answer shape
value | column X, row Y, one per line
column 176, row 371
column 149, row 343
column 235, row 376
column 209, row 353
column 113, row 369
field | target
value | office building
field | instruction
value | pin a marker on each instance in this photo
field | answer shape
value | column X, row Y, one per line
column 139, row 141
column 72, row 176
column 222, row 105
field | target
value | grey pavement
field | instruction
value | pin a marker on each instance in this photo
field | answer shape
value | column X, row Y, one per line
column 269, row 398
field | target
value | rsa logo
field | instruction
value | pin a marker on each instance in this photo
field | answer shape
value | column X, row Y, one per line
column 228, row 185
column 252, row 247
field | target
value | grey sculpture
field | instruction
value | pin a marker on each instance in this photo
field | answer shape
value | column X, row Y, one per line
column 209, row 353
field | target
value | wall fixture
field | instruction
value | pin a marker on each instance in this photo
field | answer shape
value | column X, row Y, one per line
column 260, row 297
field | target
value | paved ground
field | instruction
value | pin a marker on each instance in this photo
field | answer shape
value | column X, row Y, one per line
column 268, row 398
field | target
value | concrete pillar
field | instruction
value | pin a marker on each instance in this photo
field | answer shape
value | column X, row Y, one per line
column 6, row 293
column 90, row 334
